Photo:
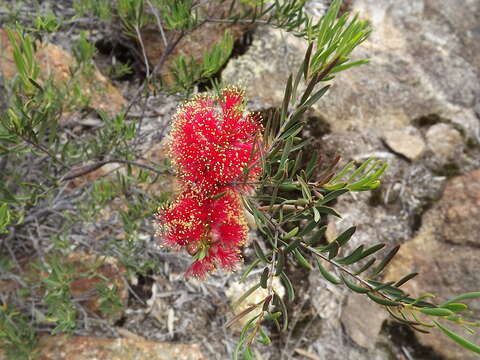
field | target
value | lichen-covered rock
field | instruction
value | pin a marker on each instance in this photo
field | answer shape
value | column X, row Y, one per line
column 264, row 69
column 364, row 330
column 406, row 142
column 445, row 142
column 421, row 63
column 445, row 252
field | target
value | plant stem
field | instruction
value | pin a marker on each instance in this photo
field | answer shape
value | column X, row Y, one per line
column 83, row 170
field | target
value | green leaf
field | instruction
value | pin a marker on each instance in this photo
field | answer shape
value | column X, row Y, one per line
column 273, row 316
column 366, row 266
column 280, row 262
column 245, row 295
column 317, row 237
column 382, row 301
column 264, row 278
column 341, row 240
column 305, row 189
column 308, row 228
column 4, row 217
column 301, row 260
column 354, row 256
column 264, row 339
column 285, row 153
column 466, row 296
column 332, row 195
column 279, row 301
column 315, row 97
column 405, row 279
column 306, row 61
column 342, row 172
column 455, row 307
column 292, row 131
column 288, row 286
column 458, row 339
column 436, row 312
column 328, row 210
column 385, row 261
column 333, row 250
column 259, row 252
column 311, row 164
column 360, row 169
column 326, row 274
column 293, row 245
column 286, row 99
column 353, row 287
column 339, row 68
column 243, row 335
column 373, row 249
column 291, row 233
column 249, row 269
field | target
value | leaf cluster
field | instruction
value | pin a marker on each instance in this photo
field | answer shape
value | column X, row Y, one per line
column 17, row 337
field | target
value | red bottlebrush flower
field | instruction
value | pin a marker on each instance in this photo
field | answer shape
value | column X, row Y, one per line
column 200, row 268
column 216, row 256
column 211, row 145
column 183, row 222
column 214, row 147
column 226, row 221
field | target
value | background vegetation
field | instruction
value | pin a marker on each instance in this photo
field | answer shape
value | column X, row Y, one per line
column 79, row 185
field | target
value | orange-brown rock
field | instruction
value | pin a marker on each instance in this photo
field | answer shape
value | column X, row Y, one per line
column 64, row 347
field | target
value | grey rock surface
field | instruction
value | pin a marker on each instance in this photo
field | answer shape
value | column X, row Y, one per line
column 407, row 142
column 417, row 106
column 424, row 60
column 445, row 251
column 445, row 142
column 362, row 329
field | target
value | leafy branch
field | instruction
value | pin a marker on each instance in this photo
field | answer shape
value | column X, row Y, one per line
column 290, row 206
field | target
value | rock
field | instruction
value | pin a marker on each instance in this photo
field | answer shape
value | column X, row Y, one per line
column 406, row 142
column 364, row 330
column 445, row 142
column 421, row 63
column 329, row 340
column 56, row 63
column 64, row 347
column 264, row 69
column 445, row 252
column 459, row 211
column 236, row 289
